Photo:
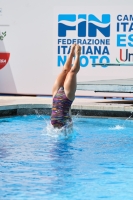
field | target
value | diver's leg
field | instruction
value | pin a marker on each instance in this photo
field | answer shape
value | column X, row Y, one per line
column 70, row 83
column 59, row 82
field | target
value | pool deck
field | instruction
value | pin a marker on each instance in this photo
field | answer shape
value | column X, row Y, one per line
column 13, row 105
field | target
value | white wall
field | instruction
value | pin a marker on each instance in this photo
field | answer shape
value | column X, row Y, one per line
column 31, row 39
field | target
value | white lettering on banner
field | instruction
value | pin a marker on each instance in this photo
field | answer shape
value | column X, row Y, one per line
column 2, row 61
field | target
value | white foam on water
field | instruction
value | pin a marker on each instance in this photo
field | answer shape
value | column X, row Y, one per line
column 64, row 132
column 117, row 127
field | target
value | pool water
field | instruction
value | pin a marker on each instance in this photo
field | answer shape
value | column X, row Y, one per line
column 95, row 161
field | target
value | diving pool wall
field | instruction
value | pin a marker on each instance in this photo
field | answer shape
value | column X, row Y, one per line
column 12, row 106
column 29, row 32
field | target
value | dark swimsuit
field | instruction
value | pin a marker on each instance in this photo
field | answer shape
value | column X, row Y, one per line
column 60, row 110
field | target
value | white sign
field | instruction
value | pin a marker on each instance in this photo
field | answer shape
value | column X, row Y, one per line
column 34, row 44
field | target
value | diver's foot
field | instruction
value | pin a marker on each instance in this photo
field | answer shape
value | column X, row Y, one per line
column 72, row 52
column 77, row 50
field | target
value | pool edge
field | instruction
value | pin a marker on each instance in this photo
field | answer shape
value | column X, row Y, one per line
column 93, row 109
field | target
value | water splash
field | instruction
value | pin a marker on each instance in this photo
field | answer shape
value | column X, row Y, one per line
column 76, row 118
column 128, row 118
column 38, row 114
column 62, row 133
column 117, row 127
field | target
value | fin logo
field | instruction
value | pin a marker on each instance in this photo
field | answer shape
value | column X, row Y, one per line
column 95, row 24
column 71, row 22
column 65, row 23
column 4, row 57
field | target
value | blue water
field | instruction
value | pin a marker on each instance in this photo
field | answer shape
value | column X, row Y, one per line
column 93, row 162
